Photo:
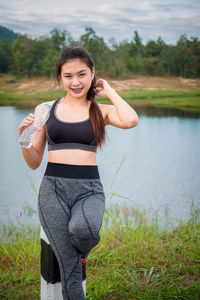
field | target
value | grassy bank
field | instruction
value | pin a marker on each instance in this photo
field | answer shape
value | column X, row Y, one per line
column 181, row 100
column 178, row 93
column 134, row 260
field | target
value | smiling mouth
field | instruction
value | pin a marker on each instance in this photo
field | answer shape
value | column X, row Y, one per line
column 77, row 90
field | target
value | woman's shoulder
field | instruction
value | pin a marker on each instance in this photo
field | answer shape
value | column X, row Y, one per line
column 101, row 107
column 104, row 108
column 50, row 103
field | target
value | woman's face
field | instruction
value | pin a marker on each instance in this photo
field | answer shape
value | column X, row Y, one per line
column 76, row 78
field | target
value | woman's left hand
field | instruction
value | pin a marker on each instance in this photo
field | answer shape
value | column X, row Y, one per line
column 102, row 88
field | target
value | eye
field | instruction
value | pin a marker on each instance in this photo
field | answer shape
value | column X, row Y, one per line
column 67, row 76
column 82, row 74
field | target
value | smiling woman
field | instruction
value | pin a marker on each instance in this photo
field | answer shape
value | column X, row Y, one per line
column 71, row 199
column 76, row 82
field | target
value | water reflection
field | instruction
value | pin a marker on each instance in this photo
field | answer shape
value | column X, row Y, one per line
column 161, row 168
column 152, row 111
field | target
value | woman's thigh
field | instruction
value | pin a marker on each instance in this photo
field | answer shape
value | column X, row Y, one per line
column 87, row 213
column 54, row 215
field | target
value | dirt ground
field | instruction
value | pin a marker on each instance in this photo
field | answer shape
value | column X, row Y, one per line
column 31, row 86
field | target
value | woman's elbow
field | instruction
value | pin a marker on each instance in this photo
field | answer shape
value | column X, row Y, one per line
column 32, row 165
column 134, row 122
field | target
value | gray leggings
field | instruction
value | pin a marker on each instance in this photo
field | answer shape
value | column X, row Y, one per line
column 71, row 204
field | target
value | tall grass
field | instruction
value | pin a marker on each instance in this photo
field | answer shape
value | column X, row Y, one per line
column 132, row 260
column 135, row 259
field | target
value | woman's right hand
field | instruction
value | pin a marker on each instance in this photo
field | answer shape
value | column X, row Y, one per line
column 25, row 123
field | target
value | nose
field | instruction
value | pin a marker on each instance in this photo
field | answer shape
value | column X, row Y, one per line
column 75, row 81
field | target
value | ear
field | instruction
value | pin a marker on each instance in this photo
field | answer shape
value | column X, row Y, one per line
column 93, row 73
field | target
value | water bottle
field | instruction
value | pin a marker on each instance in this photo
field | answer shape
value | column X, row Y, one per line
column 29, row 134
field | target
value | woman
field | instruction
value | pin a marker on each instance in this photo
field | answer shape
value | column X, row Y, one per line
column 71, row 198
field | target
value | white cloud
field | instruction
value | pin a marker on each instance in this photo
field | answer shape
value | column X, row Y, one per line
column 110, row 18
column 105, row 8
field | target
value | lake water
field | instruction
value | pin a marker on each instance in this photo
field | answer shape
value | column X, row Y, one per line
column 160, row 173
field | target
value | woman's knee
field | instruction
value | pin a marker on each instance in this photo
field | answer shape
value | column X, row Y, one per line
column 82, row 237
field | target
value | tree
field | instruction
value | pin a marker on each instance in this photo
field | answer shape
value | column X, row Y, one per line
column 89, row 36
column 5, row 56
column 138, row 42
column 7, row 34
column 151, row 65
column 183, row 56
column 35, row 57
column 97, row 48
column 58, row 38
column 22, row 58
column 48, row 67
column 161, row 44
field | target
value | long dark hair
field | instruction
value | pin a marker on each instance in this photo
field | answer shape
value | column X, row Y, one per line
column 94, row 112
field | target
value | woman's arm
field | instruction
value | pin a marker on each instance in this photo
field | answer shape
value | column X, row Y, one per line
column 120, row 114
column 33, row 155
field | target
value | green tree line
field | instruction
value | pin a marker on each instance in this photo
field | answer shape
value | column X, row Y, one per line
column 38, row 56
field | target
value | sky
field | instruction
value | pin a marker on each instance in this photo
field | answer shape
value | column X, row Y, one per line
column 111, row 19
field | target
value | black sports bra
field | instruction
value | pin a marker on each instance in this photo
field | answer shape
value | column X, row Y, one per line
column 69, row 135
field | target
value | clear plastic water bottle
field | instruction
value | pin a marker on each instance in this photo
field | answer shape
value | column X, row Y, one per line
column 29, row 134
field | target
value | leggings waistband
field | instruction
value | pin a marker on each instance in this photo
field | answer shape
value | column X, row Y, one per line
column 72, row 171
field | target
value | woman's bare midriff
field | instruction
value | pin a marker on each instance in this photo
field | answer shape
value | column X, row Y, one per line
column 73, row 157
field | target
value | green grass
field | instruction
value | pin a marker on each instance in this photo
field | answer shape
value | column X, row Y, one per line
column 13, row 99
column 181, row 100
column 24, row 100
column 19, row 264
column 139, row 262
column 134, row 259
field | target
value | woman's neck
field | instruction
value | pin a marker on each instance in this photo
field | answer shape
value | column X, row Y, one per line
column 74, row 102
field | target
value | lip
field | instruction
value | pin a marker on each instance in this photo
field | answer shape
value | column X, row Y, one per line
column 77, row 90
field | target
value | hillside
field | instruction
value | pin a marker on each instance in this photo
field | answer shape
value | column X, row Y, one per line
column 34, row 85
column 7, row 34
